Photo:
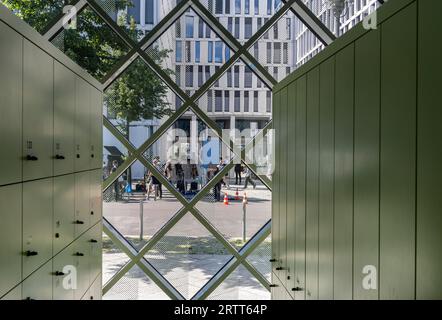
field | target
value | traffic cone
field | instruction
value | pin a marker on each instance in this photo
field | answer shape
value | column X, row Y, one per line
column 236, row 194
column 226, row 199
column 244, row 199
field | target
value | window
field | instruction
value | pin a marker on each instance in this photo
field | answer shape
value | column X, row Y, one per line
column 178, row 75
column 289, row 28
column 285, row 53
column 229, row 78
column 134, row 11
column 266, row 35
column 227, row 54
column 200, row 28
column 256, row 6
column 277, row 52
column 226, row 101
column 248, row 77
column 237, row 101
column 149, row 12
column 189, row 27
column 258, row 23
column 255, row 101
column 178, row 102
column 219, row 6
column 227, row 6
column 236, row 77
column 188, row 52
column 277, row 4
column 237, row 6
column 218, row 101
column 217, row 80
column 247, row 28
column 256, row 51
column 207, row 71
column 237, row 30
column 189, row 76
column 275, row 73
column 269, row 52
column 275, row 30
column 269, row 102
column 209, row 101
column 287, row 71
column 230, row 24
column 200, row 76
column 208, row 32
column 197, row 51
column 246, row 101
column 178, row 51
column 246, row 6
column 269, row 7
column 178, row 29
column 218, row 52
column 210, row 51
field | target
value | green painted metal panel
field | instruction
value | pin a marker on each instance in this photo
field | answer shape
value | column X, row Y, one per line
column 300, row 192
column 326, row 179
column 366, row 161
column 14, row 294
column 82, row 125
column 82, row 202
column 39, row 284
column 343, row 216
column 398, row 156
column 429, row 187
column 64, row 116
column 96, row 128
column 291, row 154
column 312, row 185
column 283, row 186
column 11, row 66
column 275, row 181
column 64, row 212
column 37, row 112
column 95, row 193
column 10, row 237
column 64, row 258
column 82, row 261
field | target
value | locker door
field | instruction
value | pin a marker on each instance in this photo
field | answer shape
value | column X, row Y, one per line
column 96, row 129
column 82, row 203
column 275, row 182
column 94, row 237
column 37, row 224
column 96, row 290
column 64, row 211
column 82, row 135
column 312, row 187
column 300, row 192
column 37, row 113
column 39, row 284
column 14, row 294
column 82, row 256
column 11, row 66
column 96, row 195
column 62, row 267
column 64, row 116
column 10, row 237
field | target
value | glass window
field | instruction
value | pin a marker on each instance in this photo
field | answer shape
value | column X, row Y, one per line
column 210, row 51
column 218, row 101
column 219, row 6
column 217, row 80
column 285, row 53
column 246, row 6
column 275, row 31
column 266, row 35
column 200, row 76
column 230, row 24
column 208, row 33
column 134, row 11
column 178, row 29
column 218, row 52
column 256, row 6
column 277, row 52
column 207, row 71
column 227, row 54
column 237, row 28
column 189, row 76
column 149, row 12
column 226, row 101
column 178, row 102
column 255, row 101
column 179, row 51
column 289, row 28
column 237, row 6
column 200, row 28
column 246, row 101
column 227, row 7
column 197, row 51
column 189, row 27
column 247, row 28
column 256, row 51
column 287, row 71
column 188, row 52
column 269, row 7
column 275, row 73
column 248, row 76
column 269, row 102
column 209, row 100
column 269, row 52
column 258, row 23
column 178, row 75
column 278, row 2
column 236, row 77
column 237, row 102
column 229, row 78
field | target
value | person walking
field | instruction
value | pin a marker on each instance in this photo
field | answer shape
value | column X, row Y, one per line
column 248, row 178
column 238, row 170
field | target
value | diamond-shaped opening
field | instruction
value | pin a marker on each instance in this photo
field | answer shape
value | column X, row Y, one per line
column 188, row 256
column 283, row 48
column 189, row 154
column 240, row 285
column 138, row 102
column 91, row 44
column 243, row 18
column 238, row 221
column 38, row 14
column 136, row 19
column 113, row 259
column 193, row 55
column 260, row 258
column 135, row 285
column 140, row 211
column 240, row 93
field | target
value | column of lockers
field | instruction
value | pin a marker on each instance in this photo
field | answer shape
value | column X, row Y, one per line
column 50, row 176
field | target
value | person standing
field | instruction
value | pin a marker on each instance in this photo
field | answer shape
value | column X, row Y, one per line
column 238, row 170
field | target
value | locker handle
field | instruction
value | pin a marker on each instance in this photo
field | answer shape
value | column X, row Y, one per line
column 79, row 254
column 31, row 158
column 78, row 156
column 273, row 285
column 59, row 157
column 279, row 268
column 59, row 273
column 272, row 260
column 94, row 241
column 296, row 289
column 31, row 253
column 79, row 222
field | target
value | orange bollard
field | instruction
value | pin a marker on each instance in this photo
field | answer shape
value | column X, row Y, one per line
column 226, row 199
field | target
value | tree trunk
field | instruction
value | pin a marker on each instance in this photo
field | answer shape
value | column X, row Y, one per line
column 129, row 170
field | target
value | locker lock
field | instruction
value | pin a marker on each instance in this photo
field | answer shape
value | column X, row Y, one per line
column 272, row 260
column 92, row 213
column 59, row 157
column 78, row 156
column 79, row 254
column 279, row 268
column 31, row 253
column 57, row 235
column 94, row 241
column 273, row 286
column 58, row 273
column 79, row 222
column 31, row 158
column 92, row 155
column 296, row 289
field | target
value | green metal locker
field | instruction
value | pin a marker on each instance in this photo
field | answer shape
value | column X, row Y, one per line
column 64, row 212
column 398, row 156
column 275, row 183
column 82, row 260
column 96, row 129
column 312, row 186
column 95, row 181
column 366, row 166
column 10, row 237
column 64, row 116
column 37, row 224
column 14, row 294
column 39, row 284
column 82, row 203
column 300, row 191
column 326, row 179
column 62, row 272
column 95, row 291
column 343, row 215
column 11, row 66
column 291, row 154
column 82, row 125
column 37, row 112
column 429, row 201
column 94, row 236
